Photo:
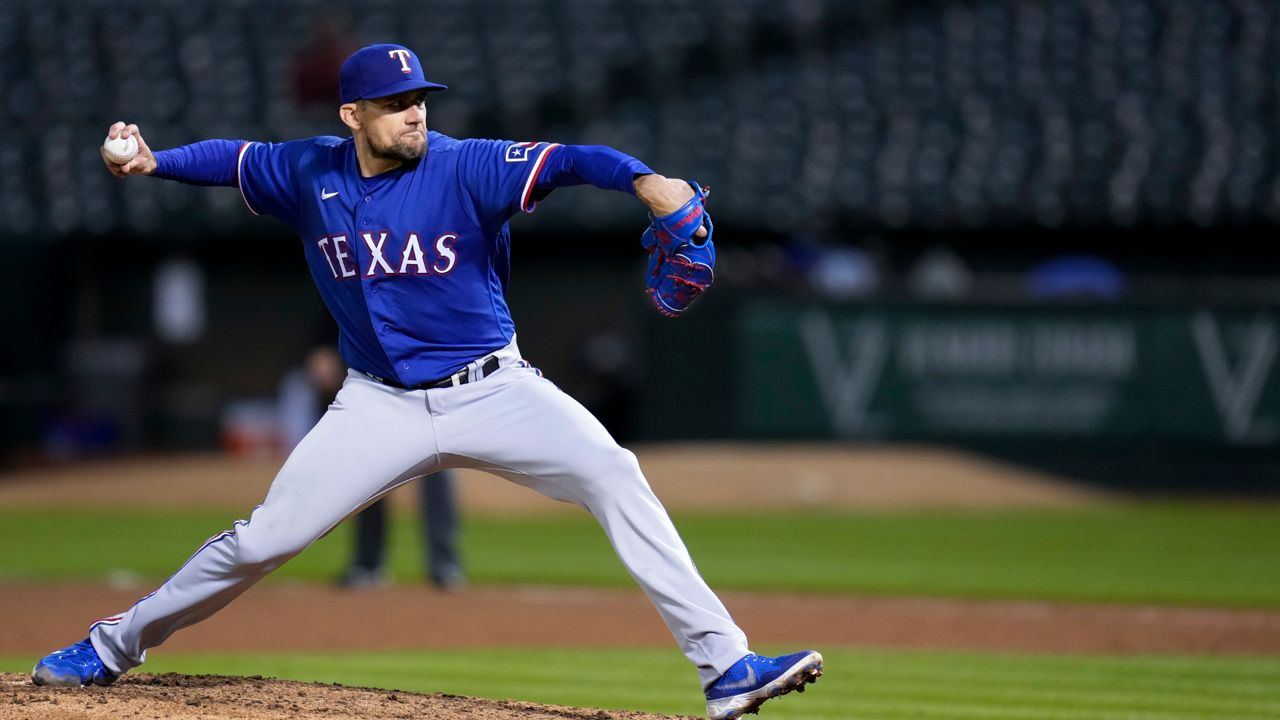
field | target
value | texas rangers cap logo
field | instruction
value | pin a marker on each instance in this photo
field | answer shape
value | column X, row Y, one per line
column 403, row 55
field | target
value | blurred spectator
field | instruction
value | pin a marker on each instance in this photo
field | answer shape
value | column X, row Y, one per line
column 940, row 274
column 306, row 391
column 1083, row 277
column 836, row 272
column 304, row 394
column 843, row 273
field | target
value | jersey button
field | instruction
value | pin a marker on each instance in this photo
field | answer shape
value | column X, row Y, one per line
column 405, row 366
column 368, row 198
column 386, row 329
column 373, row 289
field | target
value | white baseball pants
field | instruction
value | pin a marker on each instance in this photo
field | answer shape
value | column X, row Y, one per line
column 373, row 438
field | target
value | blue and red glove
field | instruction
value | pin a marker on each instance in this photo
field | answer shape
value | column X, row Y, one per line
column 681, row 265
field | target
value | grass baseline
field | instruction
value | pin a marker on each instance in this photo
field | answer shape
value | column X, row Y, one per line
column 1169, row 554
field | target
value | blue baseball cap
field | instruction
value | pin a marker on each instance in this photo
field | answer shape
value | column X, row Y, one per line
column 381, row 70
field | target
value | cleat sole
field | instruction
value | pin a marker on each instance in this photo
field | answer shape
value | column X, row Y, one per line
column 46, row 676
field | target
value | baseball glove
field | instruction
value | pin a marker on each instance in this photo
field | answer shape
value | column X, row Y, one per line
column 681, row 266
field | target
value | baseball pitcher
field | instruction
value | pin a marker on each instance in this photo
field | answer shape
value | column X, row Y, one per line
column 405, row 233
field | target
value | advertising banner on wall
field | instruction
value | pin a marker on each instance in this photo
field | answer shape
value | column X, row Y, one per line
column 1207, row 376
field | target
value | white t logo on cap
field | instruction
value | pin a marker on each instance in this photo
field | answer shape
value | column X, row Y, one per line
column 404, row 59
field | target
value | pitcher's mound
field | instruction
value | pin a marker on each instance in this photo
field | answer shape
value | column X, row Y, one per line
column 187, row 697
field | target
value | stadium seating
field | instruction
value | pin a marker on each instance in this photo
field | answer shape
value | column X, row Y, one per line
column 877, row 114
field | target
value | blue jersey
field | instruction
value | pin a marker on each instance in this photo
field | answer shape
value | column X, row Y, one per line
column 413, row 263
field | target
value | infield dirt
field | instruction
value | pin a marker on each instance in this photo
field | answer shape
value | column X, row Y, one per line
column 298, row 618
column 691, row 476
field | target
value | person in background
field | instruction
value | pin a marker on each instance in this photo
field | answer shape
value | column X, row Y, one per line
column 305, row 393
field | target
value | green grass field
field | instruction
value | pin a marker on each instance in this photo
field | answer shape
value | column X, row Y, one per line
column 858, row 684
column 1175, row 554
column 1214, row 555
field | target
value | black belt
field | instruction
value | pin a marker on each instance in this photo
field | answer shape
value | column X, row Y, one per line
column 461, row 377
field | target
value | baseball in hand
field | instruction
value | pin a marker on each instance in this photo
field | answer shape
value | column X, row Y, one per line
column 120, row 150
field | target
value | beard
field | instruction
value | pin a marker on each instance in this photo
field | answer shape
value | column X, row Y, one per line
column 402, row 150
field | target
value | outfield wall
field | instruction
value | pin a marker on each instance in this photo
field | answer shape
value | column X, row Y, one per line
column 1144, row 386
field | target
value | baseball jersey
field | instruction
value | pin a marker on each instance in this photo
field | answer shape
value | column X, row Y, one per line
column 413, row 263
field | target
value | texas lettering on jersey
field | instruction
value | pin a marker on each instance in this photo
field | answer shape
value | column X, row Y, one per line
column 410, row 259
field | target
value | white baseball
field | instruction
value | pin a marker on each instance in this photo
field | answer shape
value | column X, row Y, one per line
column 120, row 150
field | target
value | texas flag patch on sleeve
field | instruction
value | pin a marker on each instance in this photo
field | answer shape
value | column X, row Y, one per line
column 520, row 152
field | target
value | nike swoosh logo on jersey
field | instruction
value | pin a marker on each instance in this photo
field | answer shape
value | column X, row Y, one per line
column 743, row 684
column 326, row 195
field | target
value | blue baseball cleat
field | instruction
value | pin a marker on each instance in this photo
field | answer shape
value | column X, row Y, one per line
column 756, row 678
column 73, row 667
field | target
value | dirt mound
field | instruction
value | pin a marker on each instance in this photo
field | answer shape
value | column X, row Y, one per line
column 186, row 697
